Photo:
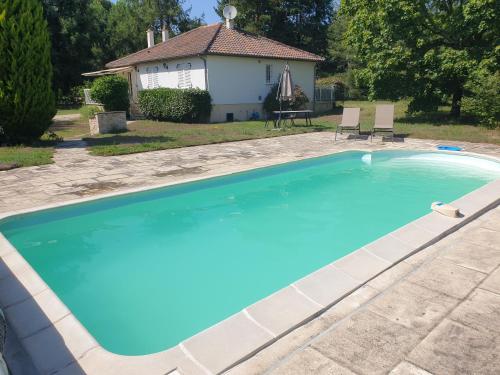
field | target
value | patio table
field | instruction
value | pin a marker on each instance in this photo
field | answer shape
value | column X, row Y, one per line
column 279, row 116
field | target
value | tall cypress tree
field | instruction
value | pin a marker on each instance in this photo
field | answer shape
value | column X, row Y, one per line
column 26, row 96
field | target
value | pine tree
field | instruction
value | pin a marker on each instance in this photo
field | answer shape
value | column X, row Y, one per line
column 26, row 96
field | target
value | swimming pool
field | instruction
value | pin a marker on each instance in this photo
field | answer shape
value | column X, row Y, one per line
column 147, row 270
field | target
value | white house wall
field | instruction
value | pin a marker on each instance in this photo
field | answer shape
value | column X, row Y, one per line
column 240, row 80
column 237, row 85
column 168, row 73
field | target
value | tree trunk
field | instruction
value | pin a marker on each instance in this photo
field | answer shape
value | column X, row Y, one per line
column 456, row 102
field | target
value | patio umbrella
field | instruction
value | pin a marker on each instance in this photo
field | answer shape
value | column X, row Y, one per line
column 285, row 85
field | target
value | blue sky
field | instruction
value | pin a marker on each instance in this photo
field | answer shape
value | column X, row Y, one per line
column 203, row 6
column 199, row 7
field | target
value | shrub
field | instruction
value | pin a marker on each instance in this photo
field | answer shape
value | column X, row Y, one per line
column 89, row 111
column 75, row 96
column 112, row 92
column 26, row 98
column 483, row 98
column 178, row 105
column 271, row 103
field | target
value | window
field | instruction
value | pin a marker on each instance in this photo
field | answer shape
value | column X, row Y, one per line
column 152, row 77
column 184, row 76
column 269, row 74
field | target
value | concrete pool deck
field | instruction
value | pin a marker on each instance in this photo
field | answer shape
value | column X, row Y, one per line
column 173, row 166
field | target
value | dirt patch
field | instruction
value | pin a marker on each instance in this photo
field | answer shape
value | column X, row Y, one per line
column 8, row 166
column 180, row 172
column 98, row 187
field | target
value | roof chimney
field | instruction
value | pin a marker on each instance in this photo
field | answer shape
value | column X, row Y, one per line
column 151, row 37
column 164, row 34
column 229, row 24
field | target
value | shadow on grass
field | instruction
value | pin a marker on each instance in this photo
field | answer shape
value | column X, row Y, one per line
column 314, row 127
column 58, row 126
column 118, row 139
column 436, row 119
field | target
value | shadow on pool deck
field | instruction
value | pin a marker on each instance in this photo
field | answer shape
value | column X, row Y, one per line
column 29, row 329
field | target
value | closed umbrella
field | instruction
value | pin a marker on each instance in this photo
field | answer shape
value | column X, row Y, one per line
column 285, row 88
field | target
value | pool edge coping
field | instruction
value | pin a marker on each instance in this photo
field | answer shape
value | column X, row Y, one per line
column 309, row 301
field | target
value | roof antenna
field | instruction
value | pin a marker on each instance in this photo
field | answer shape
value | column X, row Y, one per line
column 229, row 13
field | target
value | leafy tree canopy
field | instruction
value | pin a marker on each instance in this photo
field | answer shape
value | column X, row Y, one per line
column 422, row 49
column 300, row 23
column 85, row 34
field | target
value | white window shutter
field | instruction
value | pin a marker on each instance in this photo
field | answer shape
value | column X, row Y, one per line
column 155, row 78
column 187, row 77
column 150, row 78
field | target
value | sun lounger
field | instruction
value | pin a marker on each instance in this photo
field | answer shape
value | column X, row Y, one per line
column 350, row 121
column 384, row 120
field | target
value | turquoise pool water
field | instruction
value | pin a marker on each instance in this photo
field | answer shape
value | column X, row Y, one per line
column 147, row 270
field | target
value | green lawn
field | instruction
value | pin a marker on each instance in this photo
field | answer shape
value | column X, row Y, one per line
column 71, row 128
column 26, row 156
column 67, row 111
column 151, row 135
column 68, row 129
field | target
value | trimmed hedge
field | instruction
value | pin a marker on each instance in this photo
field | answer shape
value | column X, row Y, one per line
column 112, row 92
column 177, row 105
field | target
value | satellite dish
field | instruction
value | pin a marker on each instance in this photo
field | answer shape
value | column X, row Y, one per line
column 229, row 12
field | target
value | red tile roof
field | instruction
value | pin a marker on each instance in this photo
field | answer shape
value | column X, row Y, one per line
column 215, row 39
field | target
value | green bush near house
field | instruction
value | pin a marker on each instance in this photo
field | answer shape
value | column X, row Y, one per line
column 112, row 92
column 26, row 98
column 177, row 105
column 271, row 103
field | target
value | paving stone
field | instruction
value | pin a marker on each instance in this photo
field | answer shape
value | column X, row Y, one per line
column 348, row 305
column 310, row 361
column 492, row 282
column 406, row 368
column 361, row 265
column 294, row 308
column 224, row 344
column 483, row 236
column 424, row 255
column 446, row 277
column 477, row 257
column 263, row 360
column 50, row 352
column 413, row 306
column 491, row 219
column 453, row 348
column 367, row 343
column 390, row 276
column 481, row 310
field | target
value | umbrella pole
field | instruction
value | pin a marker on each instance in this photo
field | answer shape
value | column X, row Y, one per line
column 279, row 118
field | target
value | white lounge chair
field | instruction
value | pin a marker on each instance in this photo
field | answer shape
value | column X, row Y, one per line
column 350, row 121
column 384, row 120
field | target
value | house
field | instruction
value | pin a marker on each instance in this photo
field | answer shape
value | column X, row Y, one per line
column 237, row 68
